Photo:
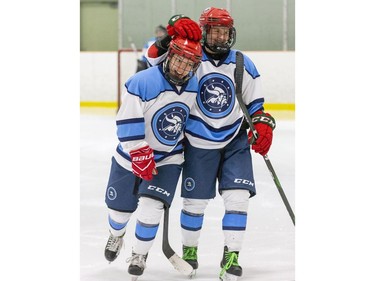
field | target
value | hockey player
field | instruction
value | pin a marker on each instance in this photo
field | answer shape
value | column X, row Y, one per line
column 160, row 31
column 150, row 124
column 218, row 145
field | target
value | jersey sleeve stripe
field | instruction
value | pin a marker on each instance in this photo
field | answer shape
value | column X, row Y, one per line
column 123, row 153
column 130, row 121
column 132, row 138
column 255, row 105
column 126, row 131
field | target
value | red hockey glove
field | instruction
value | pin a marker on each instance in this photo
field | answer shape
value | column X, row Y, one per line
column 185, row 27
column 143, row 163
column 264, row 124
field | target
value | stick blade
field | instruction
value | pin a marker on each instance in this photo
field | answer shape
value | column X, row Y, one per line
column 180, row 265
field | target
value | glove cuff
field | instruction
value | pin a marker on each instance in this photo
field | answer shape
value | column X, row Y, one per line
column 175, row 18
column 265, row 118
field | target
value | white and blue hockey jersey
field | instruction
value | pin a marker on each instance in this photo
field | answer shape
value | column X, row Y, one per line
column 147, row 45
column 217, row 116
column 154, row 112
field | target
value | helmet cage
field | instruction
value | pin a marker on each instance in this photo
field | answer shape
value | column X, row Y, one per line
column 191, row 51
column 216, row 47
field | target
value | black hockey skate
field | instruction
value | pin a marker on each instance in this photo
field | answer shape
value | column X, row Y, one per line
column 230, row 269
column 137, row 264
column 113, row 247
column 190, row 256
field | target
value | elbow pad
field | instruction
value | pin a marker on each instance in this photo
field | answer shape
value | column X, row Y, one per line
column 163, row 44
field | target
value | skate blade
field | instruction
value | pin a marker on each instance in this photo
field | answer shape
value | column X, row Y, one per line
column 228, row 277
column 192, row 274
column 134, row 278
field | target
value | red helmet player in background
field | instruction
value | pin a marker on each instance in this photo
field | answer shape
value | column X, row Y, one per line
column 219, row 34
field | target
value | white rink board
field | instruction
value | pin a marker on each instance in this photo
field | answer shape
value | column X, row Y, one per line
column 99, row 74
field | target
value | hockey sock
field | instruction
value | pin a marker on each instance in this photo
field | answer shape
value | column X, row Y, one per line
column 148, row 219
column 191, row 225
column 191, row 220
column 235, row 218
column 117, row 222
column 234, row 227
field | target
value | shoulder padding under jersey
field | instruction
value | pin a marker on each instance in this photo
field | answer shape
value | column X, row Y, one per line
column 150, row 83
column 147, row 84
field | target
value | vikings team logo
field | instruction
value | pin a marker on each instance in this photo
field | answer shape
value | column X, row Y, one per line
column 216, row 95
column 169, row 122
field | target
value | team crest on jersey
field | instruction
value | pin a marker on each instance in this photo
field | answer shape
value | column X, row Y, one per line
column 216, row 95
column 169, row 122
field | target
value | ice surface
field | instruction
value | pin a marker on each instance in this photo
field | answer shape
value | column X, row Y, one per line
column 268, row 252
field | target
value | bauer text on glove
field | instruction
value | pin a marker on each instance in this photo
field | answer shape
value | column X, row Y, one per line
column 143, row 163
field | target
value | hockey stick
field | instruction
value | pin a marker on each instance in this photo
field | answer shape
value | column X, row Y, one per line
column 137, row 182
column 178, row 263
column 132, row 45
column 141, row 65
column 239, row 79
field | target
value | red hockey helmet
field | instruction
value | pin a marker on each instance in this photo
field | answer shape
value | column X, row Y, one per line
column 217, row 17
column 188, row 54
